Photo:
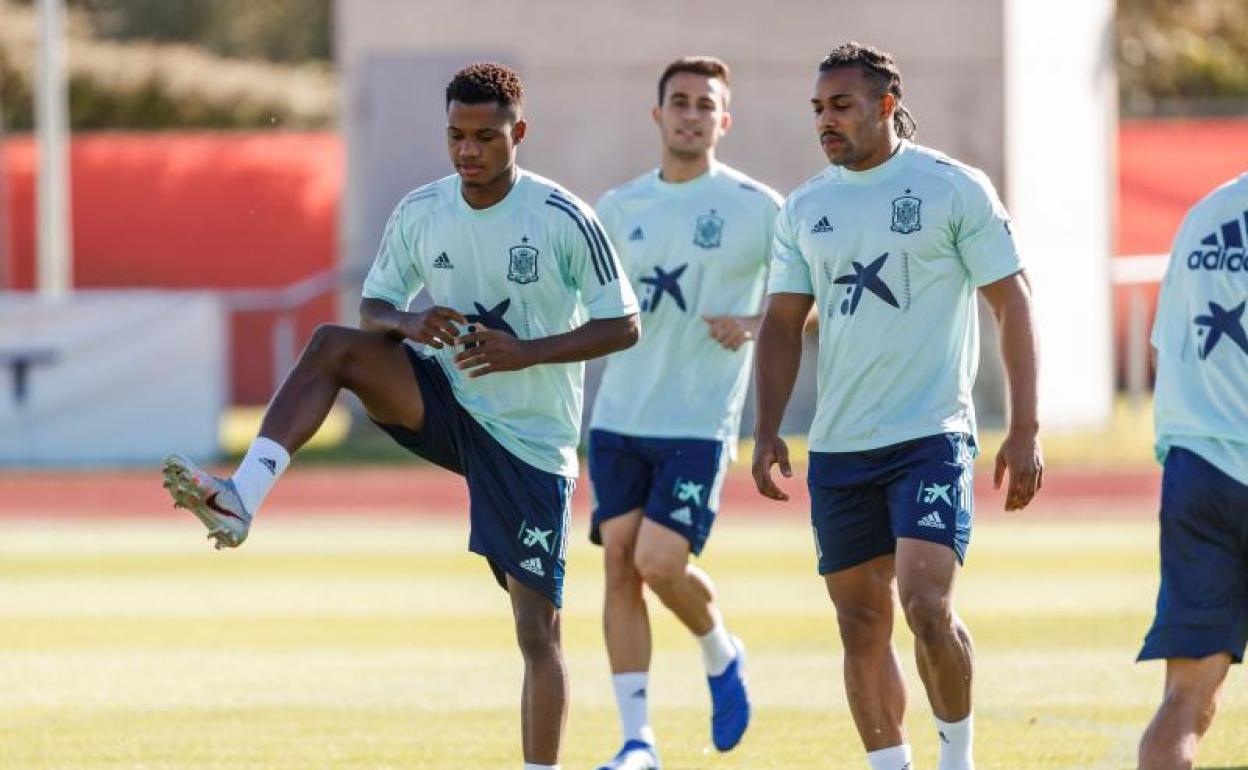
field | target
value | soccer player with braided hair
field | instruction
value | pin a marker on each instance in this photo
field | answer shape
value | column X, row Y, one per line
column 892, row 242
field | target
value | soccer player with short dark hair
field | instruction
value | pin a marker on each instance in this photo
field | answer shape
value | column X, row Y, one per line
column 525, row 287
column 695, row 234
column 1201, row 415
column 891, row 243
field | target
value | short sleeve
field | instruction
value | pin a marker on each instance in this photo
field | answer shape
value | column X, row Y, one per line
column 790, row 272
column 771, row 211
column 983, row 235
column 1168, row 293
column 395, row 275
column 592, row 264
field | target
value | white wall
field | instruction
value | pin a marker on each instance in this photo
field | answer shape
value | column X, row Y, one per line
column 125, row 377
column 1060, row 170
column 590, row 69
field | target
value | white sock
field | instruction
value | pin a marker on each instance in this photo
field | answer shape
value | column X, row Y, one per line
column 717, row 649
column 892, row 758
column 955, row 744
column 531, row 766
column 257, row 473
column 633, row 698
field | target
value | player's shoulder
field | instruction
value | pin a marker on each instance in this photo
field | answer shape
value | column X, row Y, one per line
column 549, row 198
column 963, row 177
column 640, row 186
column 749, row 188
column 1232, row 193
column 427, row 199
column 812, row 187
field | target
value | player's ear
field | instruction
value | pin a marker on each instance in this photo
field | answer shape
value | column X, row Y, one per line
column 888, row 103
column 655, row 112
column 518, row 130
column 725, row 122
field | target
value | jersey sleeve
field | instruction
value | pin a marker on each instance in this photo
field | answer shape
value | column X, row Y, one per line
column 395, row 275
column 592, row 265
column 1168, row 295
column 982, row 233
column 790, row 272
column 771, row 211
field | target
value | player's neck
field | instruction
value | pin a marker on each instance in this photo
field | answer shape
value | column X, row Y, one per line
column 490, row 193
column 879, row 155
column 675, row 170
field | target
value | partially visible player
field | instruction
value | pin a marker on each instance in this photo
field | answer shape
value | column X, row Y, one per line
column 526, row 286
column 1201, row 341
column 696, row 234
column 892, row 242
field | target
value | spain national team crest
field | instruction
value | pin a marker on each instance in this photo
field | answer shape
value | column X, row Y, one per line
column 906, row 217
column 708, row 230
column 523, row 265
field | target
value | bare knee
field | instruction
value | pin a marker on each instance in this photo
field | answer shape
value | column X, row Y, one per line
column 621, row 573
column 537, row 633
column 329, row 346
column 659, row 570
column 864, row 627
column 929, row 615
column 1191, row 706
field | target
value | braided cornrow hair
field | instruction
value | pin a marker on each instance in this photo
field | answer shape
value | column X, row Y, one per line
column 880, row 67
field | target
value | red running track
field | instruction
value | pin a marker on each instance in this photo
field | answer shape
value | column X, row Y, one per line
column 418, row 490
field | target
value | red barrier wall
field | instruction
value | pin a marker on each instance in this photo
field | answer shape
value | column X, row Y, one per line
column 233, row 210
column 1165, row 167
column 172, row 210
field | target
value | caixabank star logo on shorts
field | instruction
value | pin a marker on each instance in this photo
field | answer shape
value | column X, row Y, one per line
column 906, row 214
column 523, row 265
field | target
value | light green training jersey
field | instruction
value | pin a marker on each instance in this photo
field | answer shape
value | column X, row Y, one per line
column 693, row 249
column 893, row 256
column 535, row 264
column 1201, row 335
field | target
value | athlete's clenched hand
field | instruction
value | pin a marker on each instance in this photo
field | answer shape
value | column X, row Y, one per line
column 490, row 350
column 435, row 327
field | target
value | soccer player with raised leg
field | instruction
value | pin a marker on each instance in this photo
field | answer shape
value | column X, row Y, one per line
column 525, row 287
column 696, row 234
column 1201, row 415
column 891, row 243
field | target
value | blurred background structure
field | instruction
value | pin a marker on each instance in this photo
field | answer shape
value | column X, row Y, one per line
column 249, row 154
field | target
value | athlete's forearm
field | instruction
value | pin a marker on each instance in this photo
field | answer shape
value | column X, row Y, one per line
column 778, row 357
column 377, row 315
column 594, row 339
column 1019, row 351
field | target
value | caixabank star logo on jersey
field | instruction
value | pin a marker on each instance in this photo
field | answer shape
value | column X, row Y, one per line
column 523, row 265
column 708, row 230
column 907, row 217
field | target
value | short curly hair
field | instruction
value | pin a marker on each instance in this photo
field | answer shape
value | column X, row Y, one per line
column 486, row 82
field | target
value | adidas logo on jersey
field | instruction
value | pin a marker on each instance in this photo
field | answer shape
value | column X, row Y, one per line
column 443, row 261
column 932, row 521
column 682, row 515
column 1222, row 253
column 637, row 234
column 822, row 226
column 534, row 565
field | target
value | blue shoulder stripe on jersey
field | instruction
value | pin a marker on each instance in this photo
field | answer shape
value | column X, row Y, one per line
column 605, row 252
column 595, row 257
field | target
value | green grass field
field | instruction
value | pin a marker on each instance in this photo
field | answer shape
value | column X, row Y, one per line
column 356, row 643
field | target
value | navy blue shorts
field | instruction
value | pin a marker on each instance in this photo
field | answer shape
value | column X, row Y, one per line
column 861, row 502
column 676, row 482
column 1202, row 607
column 519, row 514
